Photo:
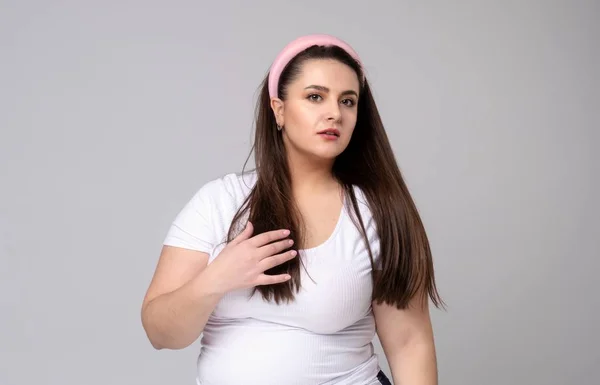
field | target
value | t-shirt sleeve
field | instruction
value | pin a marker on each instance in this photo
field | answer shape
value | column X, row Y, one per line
column 193, row 227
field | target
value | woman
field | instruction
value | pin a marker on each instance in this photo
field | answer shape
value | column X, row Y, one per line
column 289, row 270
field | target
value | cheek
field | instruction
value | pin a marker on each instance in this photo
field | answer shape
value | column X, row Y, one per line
column 349, row 119
column 303, row 119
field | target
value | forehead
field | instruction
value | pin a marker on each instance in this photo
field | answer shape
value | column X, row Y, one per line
column 328, row 73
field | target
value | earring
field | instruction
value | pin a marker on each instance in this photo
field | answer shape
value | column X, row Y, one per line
column 279, row 127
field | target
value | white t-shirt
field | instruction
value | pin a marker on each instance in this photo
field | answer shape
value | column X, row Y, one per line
column 323, row 337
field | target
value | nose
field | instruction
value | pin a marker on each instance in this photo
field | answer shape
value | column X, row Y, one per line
column 334, row 112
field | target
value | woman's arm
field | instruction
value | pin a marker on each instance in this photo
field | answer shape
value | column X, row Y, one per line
column 407, row 340
column 179, row 300
column 185, row 289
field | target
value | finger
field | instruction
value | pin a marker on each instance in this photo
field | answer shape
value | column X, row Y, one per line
column 272, row 279
column 274, row 248
column 276, row 260
column 245, row 234
column 268, row 237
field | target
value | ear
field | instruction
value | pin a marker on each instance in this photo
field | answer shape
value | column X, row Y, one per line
column 277, row 106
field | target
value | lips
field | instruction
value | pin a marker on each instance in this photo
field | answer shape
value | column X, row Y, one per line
column 330, row 132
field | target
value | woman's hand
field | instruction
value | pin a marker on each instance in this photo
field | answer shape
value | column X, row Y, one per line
column 243, row 262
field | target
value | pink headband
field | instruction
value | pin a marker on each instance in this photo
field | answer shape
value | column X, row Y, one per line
column 297, row 46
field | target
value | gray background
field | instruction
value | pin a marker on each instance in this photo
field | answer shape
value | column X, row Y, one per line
column 114, row 113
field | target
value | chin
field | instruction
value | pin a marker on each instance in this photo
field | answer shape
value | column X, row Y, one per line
column 327, row 155
column 326, row 152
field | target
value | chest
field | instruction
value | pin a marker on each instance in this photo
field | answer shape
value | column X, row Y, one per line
column 336, row 288
column 320, row 216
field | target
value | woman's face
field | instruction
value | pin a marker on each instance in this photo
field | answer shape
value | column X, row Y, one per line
column 319, row 113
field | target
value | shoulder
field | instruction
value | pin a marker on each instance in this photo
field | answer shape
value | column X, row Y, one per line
column 362, row 212
column 370, row 224
column 365, row 212
column 231, row 186
column 363, row 202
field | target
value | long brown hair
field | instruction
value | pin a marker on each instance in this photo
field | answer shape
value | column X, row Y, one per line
column 368, row 163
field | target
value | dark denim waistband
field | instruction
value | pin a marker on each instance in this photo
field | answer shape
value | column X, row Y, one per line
column 383, row 378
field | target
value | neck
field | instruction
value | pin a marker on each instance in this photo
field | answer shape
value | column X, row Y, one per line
column 310, row 176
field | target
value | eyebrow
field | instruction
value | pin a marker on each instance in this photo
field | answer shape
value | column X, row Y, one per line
column 325, row 89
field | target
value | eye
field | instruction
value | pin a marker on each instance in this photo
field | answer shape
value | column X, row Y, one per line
column 314, row 97
column 349, row 102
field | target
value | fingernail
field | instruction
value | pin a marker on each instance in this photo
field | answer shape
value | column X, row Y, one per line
column 286, row 232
